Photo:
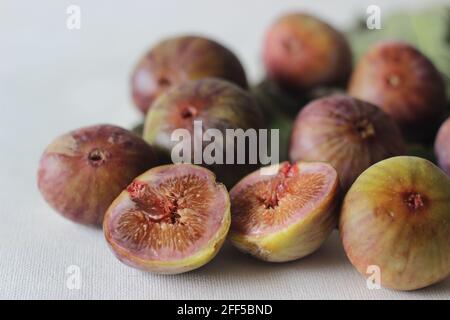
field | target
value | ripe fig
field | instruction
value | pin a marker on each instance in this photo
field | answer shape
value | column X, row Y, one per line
column 138, row 129
column 348, row 133
column 279, row 109
column 442, row 146
column 286, row 215
column 171, row 219
column 403, row 82
column 301, row 52
column 219, row 105
column 396, row 216
column 177, row 60
column 83, row 171
column 421, row 151
column 275, row 100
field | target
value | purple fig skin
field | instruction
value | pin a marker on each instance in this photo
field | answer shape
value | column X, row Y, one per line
column 396, row 216
column 180, row 59
column 442, row 146
column 219, row 104
column 403, row 82
column 302, row 52
column 348, row 133
column 83, row 171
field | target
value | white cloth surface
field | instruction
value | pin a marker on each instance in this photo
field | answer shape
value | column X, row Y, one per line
column 53, row 80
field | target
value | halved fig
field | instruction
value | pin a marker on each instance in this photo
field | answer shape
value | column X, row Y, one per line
column 285, row 215
column 171, row 219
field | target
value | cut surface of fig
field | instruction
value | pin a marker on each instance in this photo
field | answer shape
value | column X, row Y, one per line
column 397, row 216
column 285, row 215
column 171, row 219
column 83, row 171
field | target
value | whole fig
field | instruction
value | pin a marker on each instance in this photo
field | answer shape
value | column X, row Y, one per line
column 83, row 171
column 348, row 133
column 179, row 59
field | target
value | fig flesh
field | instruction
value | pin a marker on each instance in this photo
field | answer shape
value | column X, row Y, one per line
column 348, row 133
column 169, row 220
column 396, row 216
column 181, row 59
column 286, row 215
column 83, row 171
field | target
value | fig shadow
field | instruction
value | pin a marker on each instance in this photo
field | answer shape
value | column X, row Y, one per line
column 231, row 262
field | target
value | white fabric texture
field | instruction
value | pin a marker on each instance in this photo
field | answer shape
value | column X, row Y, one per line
column 53, row 80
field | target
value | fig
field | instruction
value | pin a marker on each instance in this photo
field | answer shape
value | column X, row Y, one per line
column 348, row 133
column 421, row 151
column 396, row 216
column 176, row 60
column 273, row 99
column 219, row 105
column 301, row 52
column 403, row 82
column 287, row 214
column 138, row 129
column 442, row 146
column 279, row 108
column 171, row 219
column 83, row 171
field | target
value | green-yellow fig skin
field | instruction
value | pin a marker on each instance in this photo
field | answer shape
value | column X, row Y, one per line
column 218, row 104
column 397, row 216
column 283, row 241
column 180, row 59
column 135, row 246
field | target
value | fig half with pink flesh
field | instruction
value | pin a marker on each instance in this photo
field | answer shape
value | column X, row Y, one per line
column 171, row 219
column 287, row 214
column 396, row 218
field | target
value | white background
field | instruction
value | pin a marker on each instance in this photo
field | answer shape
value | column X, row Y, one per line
column 53, row 80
